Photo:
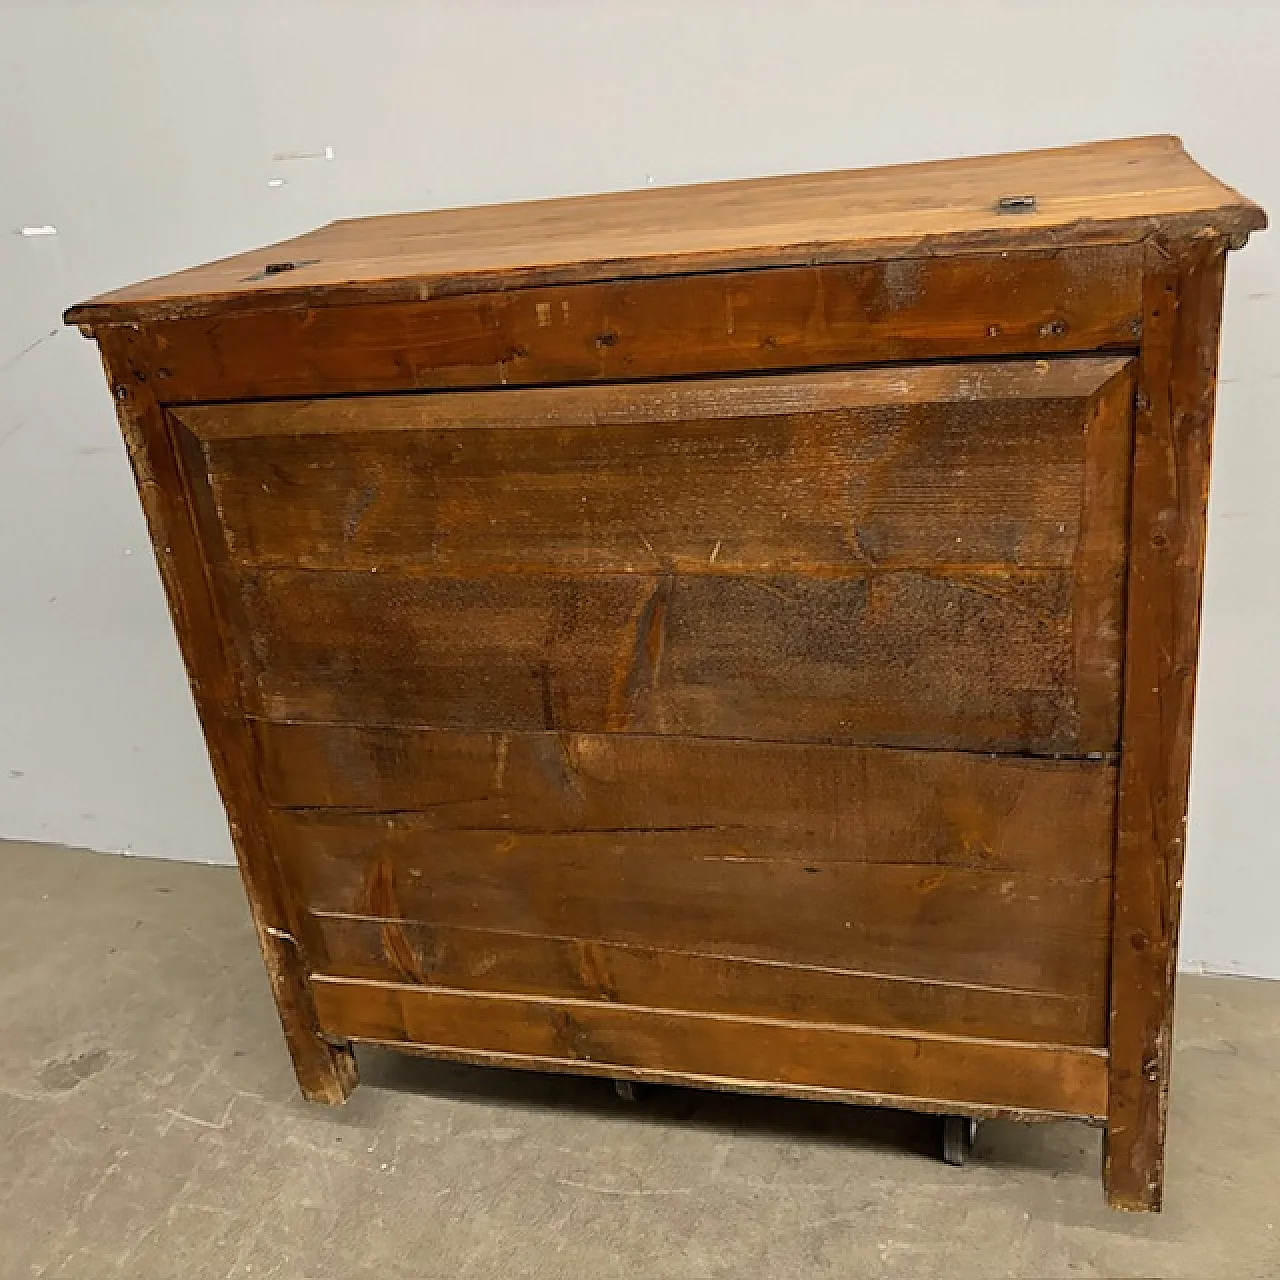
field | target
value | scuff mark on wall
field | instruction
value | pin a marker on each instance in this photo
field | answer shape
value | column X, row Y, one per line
column 13, row 431
column 325, row 154
column 28, row 349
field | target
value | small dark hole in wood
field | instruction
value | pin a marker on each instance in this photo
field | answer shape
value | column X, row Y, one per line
column 275, row 268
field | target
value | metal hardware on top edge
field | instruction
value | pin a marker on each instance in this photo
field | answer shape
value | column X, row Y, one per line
column 1016, row 204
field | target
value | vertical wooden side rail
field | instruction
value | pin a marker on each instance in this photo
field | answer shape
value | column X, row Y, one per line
column 1173, row 431
column 326, row 1072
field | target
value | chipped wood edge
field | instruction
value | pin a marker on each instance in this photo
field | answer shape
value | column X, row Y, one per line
column 1172, row 437
column 326, row 1071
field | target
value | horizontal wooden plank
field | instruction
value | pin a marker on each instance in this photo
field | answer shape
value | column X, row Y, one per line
column 975, row 660
column 838, row 803
column 576, row 968
column 1121, row 190
column 919, row 466
column 730, row 892
column 665, row 402
column 775, row 1055
column 987, row 305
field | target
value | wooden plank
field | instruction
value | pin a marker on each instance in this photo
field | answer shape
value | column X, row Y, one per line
column 730, row 892
column 1174, row 430
column 988, row 306
column 981, row 660
column 326, row 1072
column 1101, row 192
column 776, row 1056
column 1016, row 463
column 495, row 960
column 857, row 804
column 1101, row 556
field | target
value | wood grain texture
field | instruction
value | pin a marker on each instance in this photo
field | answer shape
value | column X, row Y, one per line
column 779, row 1056
column 326, row 1072
column 904, row 467
column 1100, row 192
column 670, row 800
column 821, row 557
column 988, row 305
column 979, row 660
column 562, row 724
column 494, row 960
column 858, row 804
column 1174, row 430
column 703, row 889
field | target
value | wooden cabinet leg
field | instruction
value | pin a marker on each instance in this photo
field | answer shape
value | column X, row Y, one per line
column 326, row 1070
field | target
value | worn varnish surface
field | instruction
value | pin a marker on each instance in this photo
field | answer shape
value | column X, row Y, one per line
column 1101, row 192
column 733, row 635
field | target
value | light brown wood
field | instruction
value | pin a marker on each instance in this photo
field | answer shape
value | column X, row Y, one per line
column 1170, row 496
column 1103, row 192
column 898, row 1067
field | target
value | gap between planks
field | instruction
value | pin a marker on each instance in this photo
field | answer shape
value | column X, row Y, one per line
column 835, row 971
column 1088, row 1051
column 1130, row 350
column 1098, row 759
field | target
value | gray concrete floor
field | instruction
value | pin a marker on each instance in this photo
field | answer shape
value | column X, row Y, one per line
column 150, row 1127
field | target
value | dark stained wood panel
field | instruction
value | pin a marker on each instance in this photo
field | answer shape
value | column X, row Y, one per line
column 704, row 889
column 477, row 959
column 1101, row 192
column 776, row 557
column 853, row 804
column 981, row 660
column 889, row 468
column 774, row 1055
column 733, row 803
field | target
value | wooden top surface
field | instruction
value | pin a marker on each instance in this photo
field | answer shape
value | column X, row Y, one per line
column 1102, row 192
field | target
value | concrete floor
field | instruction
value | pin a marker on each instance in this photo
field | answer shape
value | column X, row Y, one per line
column 150, row 1127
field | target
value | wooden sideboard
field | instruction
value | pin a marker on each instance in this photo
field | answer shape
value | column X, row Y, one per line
column 740, row 635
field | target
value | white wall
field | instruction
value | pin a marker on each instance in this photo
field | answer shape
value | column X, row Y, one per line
column 144, row 130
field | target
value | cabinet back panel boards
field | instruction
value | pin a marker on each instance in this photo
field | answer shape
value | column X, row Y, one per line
column 740, row 635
